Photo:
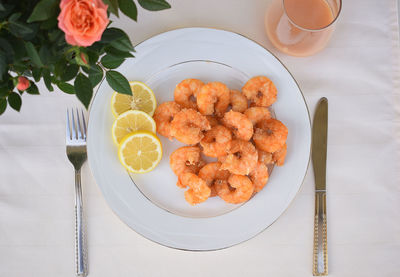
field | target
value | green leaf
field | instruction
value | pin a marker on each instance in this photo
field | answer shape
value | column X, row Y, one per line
column 112, row 6
column 67, row 88
column 123, row 44
column 128, row 7
column 27, row 73
column 111, row 62
column 117, row 39
column 33, row 54
column 93, row 57
column 111, row 34
column 6, row 46
column 70, row 72
column 33, row 89
column 97, row 47
column 15, row 101
column 3, row 65
column 60, row 67
column 3, row 105
column 6, row 87
column 49, row 23
column 2, row 8
column 8, row 8
column 43, row 10
column 36, row 73
column 118, row 82
column 20, row 29
column 56, row 34
column 118, row 53
column 44, row 54
column 47, row 79
column 85, row 69
column 19, row 48
column 154, row 5
column 14, row 17
column 19, row 67
column 4, row 91
column 95, row 75
column 83, row 89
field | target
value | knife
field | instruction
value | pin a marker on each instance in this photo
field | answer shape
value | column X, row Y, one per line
column 319, row 146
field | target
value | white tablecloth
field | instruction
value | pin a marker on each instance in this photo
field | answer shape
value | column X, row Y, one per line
column 359, row 72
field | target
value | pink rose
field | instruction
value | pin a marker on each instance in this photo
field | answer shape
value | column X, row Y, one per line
column 83, row 21
column 23, row 83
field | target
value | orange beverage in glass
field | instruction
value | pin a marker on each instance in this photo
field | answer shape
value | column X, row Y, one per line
column 301, row 27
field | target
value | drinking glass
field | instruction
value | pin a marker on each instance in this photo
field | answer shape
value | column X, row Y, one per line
column 301, row 27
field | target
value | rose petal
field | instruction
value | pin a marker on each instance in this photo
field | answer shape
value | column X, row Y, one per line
column 83, row 21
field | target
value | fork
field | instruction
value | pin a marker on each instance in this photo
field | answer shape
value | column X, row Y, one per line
column 76, row 152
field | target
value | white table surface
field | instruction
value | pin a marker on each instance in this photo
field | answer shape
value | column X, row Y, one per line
column 359, row 73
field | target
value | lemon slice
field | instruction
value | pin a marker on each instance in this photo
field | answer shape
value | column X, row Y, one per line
column 132, row 121
column 140, row 152
column 142, row 99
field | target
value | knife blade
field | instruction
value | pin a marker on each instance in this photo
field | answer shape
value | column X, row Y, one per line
column 319, row 143
column 319, row 155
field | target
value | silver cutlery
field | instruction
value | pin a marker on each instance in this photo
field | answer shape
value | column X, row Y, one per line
column 319, row 146
column 76, row 152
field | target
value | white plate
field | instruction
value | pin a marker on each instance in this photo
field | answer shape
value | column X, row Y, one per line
column 151, row 203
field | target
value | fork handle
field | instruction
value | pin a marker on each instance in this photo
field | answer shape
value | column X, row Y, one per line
column 320, row 259
column 80, row 253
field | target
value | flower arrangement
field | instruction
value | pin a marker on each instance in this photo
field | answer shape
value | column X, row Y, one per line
column 67, row 43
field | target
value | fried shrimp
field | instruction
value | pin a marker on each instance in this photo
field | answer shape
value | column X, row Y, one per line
column 241, row 159
column 264, row 157
column 256, row 114
column 259, row 176
column 213, row 98
column 185, row 159
column 200, row 164
column 163, row 116
column 216, row 142
column 270, row 135
column 237, row 189
column 261, row 91
column 213, row 120
column 211, row 173
column 198, row 190
column 222, row 159
column 280, row 155
column 238, row 101
column 240, row 125
column 188, row 126
column 185, row 93
column 234, row 127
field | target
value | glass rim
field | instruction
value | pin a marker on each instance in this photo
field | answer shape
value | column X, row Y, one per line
column 318, row 29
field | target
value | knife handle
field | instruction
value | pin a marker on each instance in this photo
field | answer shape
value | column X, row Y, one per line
column 320, row 259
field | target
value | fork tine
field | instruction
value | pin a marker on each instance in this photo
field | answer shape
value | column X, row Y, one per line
column 78, row 127
column 74, row 136
column 84, row 125
column 68, row 128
